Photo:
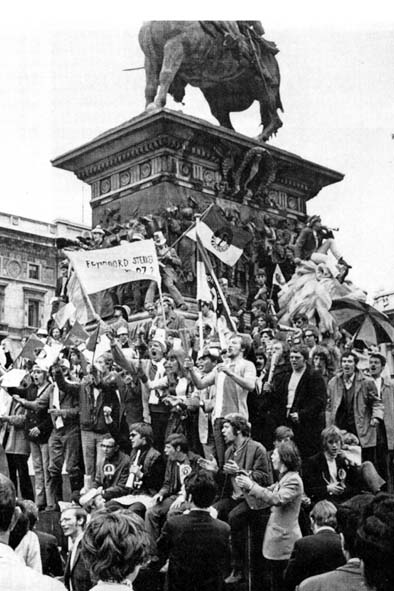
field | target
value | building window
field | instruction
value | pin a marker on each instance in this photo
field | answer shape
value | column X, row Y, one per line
column 33, row 271
column 33, row 313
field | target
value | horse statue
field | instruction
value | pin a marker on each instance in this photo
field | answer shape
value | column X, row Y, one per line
column 229, row 61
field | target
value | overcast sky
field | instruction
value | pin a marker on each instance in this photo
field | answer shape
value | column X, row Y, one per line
column 62, row 84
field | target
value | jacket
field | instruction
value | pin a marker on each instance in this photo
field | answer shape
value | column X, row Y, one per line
column 313, row 555
column 387, row 395
column 37, row 412
column 172, row 484
column 348, row 577
column 306, row 242
column 15, row 437
column 255, row 461
column 91, row 408
column 366, row 405
column 78, row 575
column 197, row 546
column 317, row 476
column 114, row 482
column 282, row 529
column 68, row 402
column 310, row 403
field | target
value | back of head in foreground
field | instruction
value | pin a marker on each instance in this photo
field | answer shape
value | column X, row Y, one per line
column 7, row 504
column 115, row 545
column 375, row 542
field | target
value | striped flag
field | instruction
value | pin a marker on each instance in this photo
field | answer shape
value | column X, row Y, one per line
column 220, row 237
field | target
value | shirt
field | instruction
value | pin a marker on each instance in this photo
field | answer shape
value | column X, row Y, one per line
column 378, row 383
column 15, row 576
column 230, row 396
column 292, row 387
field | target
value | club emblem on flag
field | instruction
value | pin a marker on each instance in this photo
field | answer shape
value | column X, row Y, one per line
column 222, row 239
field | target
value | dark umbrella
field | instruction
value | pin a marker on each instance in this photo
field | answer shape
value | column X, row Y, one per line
column 362, row 321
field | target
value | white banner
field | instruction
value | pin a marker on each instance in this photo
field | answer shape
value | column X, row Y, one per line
column 101, row 269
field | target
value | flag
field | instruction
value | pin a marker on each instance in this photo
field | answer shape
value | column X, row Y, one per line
column 101, row 269
column 65, row 313
column 278, row 277
column 222, row 308
column 32, row 348
column 217, row 235
column 93, row 339
column 204, row 293
column 84, row 312
column 13, row 378
column 49, row 355
column 76, row 335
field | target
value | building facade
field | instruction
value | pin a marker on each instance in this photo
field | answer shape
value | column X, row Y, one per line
column 384, row 302
column 29, row 263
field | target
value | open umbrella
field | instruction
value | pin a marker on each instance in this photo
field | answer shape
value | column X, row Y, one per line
column 362, row 321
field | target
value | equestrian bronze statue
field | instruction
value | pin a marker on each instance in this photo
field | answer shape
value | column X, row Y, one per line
column 230, row 61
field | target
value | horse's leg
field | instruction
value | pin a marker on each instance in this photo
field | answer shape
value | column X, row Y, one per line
column 269, row 117
column 172, row 60
column 218, row 110
column 152, row 81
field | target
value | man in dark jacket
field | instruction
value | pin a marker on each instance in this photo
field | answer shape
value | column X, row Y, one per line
column 318, row 553
column 99, row 389
column 65, row 439
column 76, row 573
column 196, row 543
column 314, row 242
column 112, row 470
column 301, row 402
column 180, row 462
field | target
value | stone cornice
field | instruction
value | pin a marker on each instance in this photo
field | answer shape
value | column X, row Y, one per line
column 185, row 135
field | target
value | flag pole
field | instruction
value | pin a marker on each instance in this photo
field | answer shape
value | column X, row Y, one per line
column 208, row 265
column 93, row 311
column 162, row 306
column 199, row 260
column 193, row 225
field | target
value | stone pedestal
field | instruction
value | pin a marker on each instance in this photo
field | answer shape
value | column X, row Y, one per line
column 169, row 166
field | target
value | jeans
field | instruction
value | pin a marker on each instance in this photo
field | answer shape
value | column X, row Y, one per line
column 238, row 515
column 91, row 450
column 155, row 518
column 40, row 457
column 220, row 445
column 64, row 447
column 18, row 468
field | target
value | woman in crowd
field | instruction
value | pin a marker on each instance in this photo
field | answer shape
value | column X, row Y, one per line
column 174, row 389
column 284, row 497
column 115, row 545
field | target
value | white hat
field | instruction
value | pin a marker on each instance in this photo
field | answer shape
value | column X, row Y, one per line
column 159, row 239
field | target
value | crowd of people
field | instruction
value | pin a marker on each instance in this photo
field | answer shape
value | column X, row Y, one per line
column 170, row 453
